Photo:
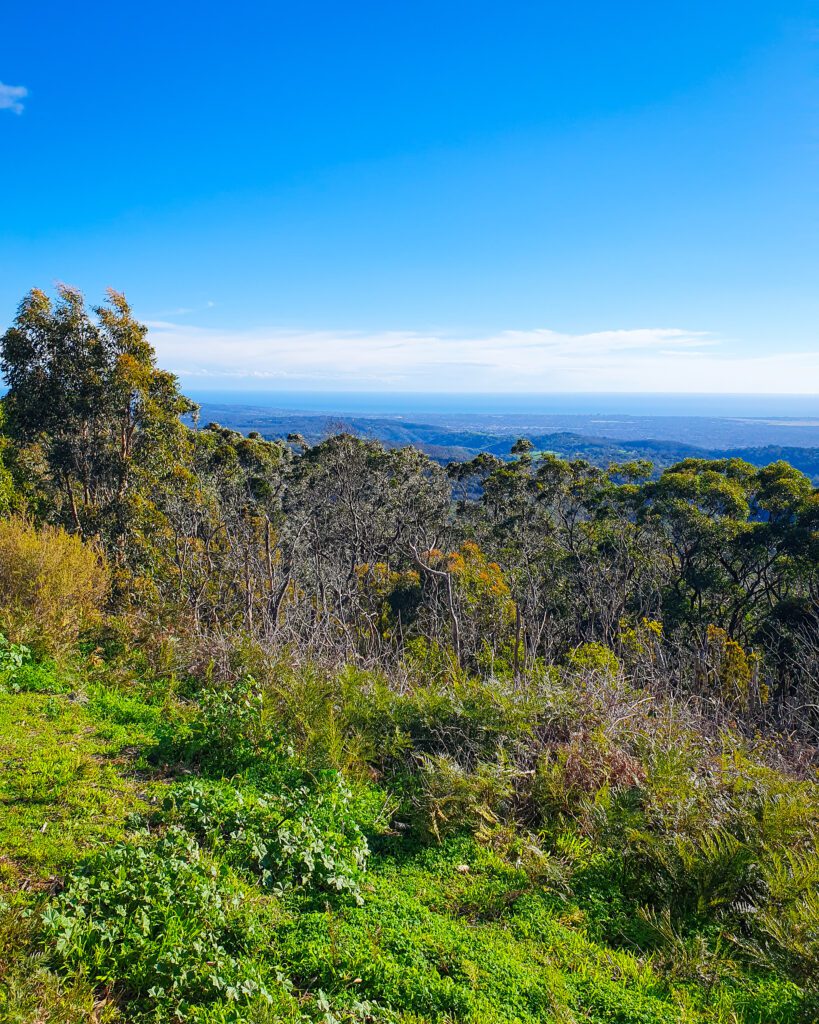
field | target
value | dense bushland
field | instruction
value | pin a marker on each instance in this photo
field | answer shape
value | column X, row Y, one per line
column 703, row 581
column 334, row 732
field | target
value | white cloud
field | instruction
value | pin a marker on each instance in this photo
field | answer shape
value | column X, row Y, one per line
column 11, row 97
column 648, row 359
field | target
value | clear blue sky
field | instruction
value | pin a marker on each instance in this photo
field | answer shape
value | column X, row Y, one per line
column 426, row 195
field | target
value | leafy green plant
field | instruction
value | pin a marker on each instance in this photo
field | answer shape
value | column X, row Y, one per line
column 227, row 730
column 16, row 667
column 12, row 656
column 300, row 837
column 158, row 919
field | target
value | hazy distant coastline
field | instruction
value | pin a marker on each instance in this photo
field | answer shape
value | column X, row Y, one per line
column 782, row 429
column 560, row 403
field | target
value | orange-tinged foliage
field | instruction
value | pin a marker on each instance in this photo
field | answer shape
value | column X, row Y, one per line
column 732, row 669
column 481, row 584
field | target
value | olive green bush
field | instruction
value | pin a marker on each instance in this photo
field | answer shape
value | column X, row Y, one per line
column 52, row 586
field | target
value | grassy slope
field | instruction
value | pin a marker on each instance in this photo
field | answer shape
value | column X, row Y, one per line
column 67, row 785
column 444, row 933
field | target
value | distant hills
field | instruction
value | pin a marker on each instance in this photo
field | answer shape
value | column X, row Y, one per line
column 599, row 441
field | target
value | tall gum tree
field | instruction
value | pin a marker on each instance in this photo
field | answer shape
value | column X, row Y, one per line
column 93, row 418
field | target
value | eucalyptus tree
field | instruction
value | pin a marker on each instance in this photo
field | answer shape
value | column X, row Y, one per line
column 357, row 509
column 95, row 423
column 728, row 530
column 229, row 553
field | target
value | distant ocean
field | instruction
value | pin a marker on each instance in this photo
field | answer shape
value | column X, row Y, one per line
column 588, row 404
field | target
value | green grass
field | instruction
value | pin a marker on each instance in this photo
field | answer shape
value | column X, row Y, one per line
column 454, row 932
column 71, row 774
column 65, row 783
column 212, row 914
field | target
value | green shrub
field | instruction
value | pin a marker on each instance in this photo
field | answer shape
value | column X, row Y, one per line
column 593, row 658
column 589, row 769
column 450, row 798
column 785, row 934
column 468, row 719
column 227, row 731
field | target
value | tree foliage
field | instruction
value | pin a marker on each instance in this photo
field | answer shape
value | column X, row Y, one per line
column 93, row 419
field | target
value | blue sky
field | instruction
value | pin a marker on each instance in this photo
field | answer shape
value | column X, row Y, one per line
column 427, row 196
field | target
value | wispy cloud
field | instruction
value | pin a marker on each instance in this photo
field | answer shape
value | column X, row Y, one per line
column 11, row 97
column 646, row 359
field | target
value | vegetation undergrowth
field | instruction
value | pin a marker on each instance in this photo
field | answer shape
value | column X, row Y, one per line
column 207, row 860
